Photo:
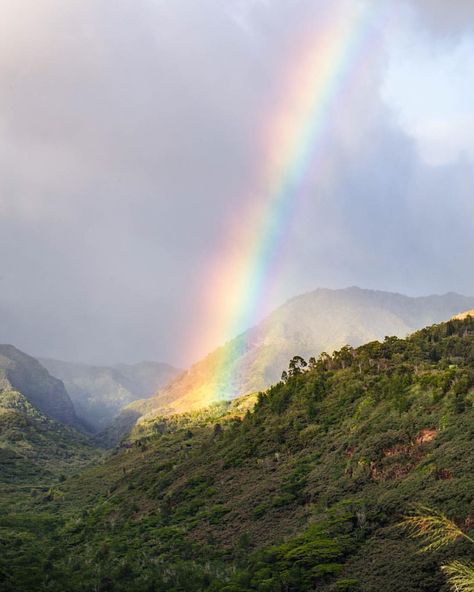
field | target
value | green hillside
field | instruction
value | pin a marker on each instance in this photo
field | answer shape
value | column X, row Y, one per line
column 302, row 493
column 322, row 320
column 22, row 373
column 35, row 449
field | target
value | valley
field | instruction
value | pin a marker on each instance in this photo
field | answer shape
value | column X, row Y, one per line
column 297, row 488
column 100, row 392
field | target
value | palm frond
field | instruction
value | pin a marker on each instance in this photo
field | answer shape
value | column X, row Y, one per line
column 460, row 576
column 432, row 526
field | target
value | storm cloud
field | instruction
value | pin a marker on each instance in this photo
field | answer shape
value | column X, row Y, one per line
column 130, row 134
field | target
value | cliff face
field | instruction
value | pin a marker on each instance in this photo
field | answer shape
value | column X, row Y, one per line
column 23, row 373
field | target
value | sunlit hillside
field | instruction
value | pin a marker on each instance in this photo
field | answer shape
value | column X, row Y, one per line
column 464, row 315
column 323, row 320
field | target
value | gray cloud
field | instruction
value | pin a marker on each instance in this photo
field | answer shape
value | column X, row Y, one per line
column 445, row 18
column 130, row 138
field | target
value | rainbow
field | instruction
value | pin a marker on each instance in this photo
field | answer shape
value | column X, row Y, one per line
column 326, row 68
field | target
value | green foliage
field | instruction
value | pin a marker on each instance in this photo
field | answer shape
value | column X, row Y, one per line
column 34, row 447
column 460, row 575
column 299, row 494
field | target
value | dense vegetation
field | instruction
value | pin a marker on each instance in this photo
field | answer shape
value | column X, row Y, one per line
column 35, row 449
column 301, row 493
column 322, row 320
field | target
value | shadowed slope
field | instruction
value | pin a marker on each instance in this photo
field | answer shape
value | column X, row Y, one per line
column 35, row 448
column 23, row 373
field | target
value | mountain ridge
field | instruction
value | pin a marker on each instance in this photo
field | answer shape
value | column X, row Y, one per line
column 23, row 373
column 307, row 324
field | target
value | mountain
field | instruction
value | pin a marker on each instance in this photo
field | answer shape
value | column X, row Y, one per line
column 34, row 447
column 20, row 372
column 322, row 320
column 302, row 492
column 99, row 392
column 148, row 377
column 38, row 441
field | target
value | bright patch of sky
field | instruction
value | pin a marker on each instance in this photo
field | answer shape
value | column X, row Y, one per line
column 430, row 87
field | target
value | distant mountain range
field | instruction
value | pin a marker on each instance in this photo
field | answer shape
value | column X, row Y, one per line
column 111, row 399
column 40, row 423
column 100, row 392
column 322, row 320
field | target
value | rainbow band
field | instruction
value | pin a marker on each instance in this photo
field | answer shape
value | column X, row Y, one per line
column 297, row 141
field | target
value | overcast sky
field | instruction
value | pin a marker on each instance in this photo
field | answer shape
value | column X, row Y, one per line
column 129, row 140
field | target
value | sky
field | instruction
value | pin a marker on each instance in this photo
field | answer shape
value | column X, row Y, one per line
column 133, row 135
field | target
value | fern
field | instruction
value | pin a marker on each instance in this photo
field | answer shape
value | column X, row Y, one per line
column 460, row 576
column 438, row 531
column 434, row 527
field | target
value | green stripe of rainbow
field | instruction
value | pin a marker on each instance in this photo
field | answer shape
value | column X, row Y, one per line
column 329, row 65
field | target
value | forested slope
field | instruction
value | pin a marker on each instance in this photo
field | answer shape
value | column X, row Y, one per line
column 302, row 493
column 34, row 448
column 322, row 320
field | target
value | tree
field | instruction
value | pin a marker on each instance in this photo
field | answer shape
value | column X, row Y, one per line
column 297, row 366
column 344, row 357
